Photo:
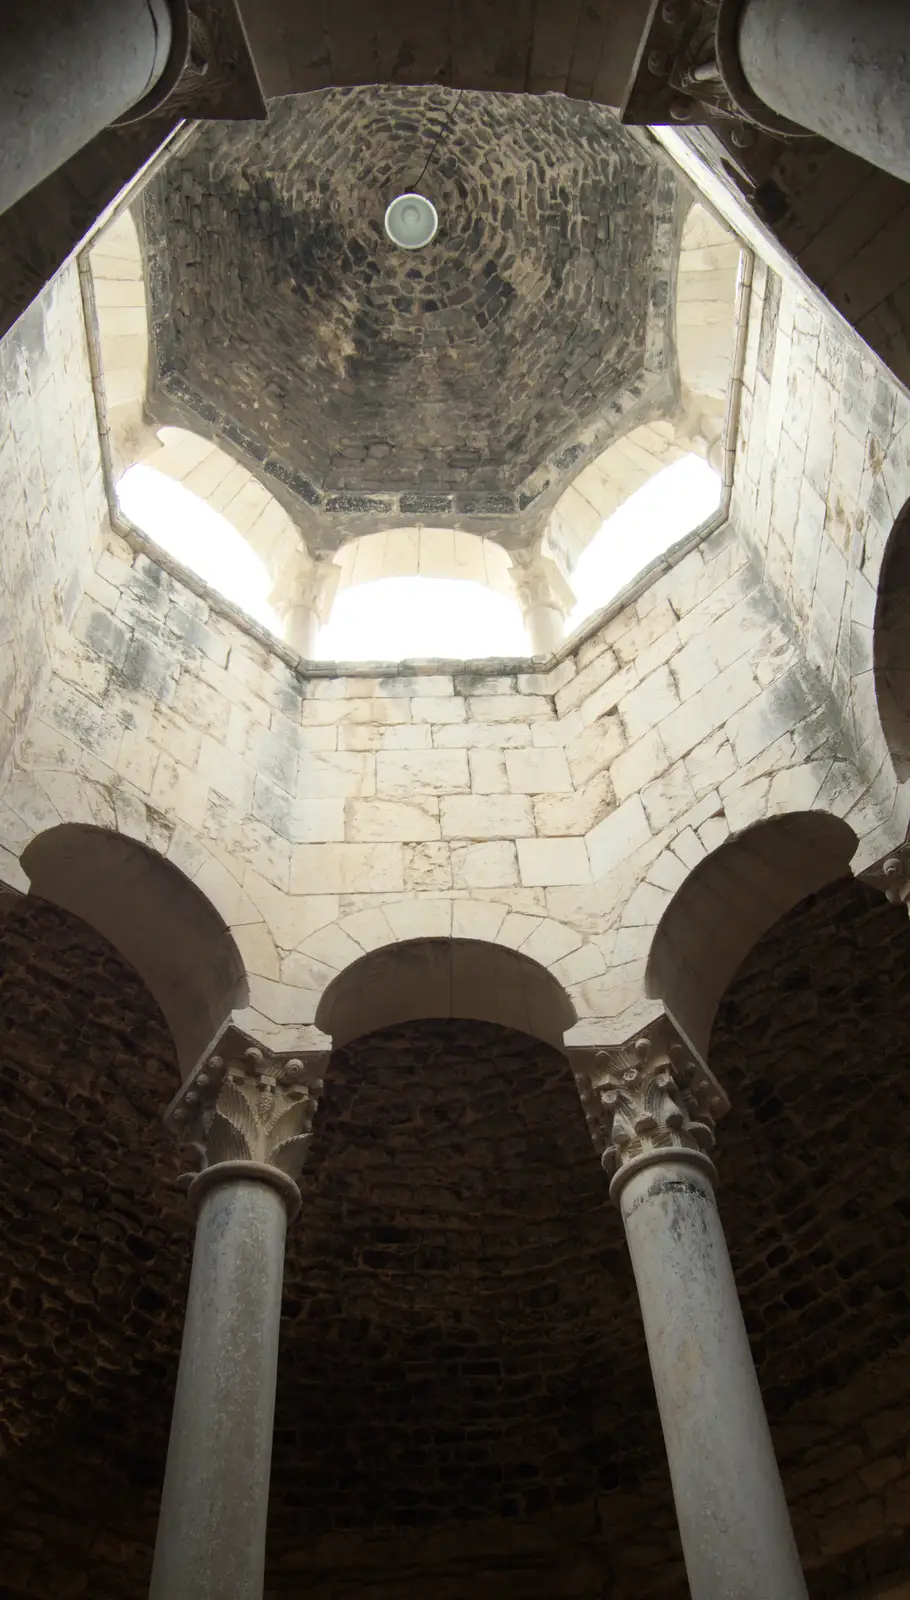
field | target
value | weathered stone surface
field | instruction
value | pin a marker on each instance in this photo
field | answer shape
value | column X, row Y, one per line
column 550, row 217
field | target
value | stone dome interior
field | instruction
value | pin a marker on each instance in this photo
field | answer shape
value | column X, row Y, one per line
column 464, row 379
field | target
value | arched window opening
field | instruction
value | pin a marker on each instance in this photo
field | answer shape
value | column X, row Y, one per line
column 200, row 537
column 673, row 503
column 419, row 618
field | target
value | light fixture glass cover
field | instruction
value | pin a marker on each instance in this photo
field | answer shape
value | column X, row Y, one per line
column 411, row 221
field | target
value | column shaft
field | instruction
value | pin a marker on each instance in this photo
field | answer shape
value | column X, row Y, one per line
column 546, row 628
column 214, row 1506
column 733, row 1517
column 838, row 67
column 68, row 68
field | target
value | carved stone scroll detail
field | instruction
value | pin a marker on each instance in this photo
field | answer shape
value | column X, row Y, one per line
column 650, row 1095
column 245, row 1104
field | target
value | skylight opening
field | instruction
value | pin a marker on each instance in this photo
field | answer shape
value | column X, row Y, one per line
column 200, row 538
column 676, row 501
column 416, row 618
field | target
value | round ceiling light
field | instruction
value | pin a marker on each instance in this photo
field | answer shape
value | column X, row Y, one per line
column 411, row 221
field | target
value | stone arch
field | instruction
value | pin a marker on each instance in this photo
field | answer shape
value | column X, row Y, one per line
column 445, row 978
column 425, row 553
column 891, row 645
column 729, row 900
column 155, row 916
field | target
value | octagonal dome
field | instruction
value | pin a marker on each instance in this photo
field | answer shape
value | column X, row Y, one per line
column 463, row 381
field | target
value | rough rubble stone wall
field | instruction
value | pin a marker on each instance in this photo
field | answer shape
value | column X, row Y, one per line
column 822, row 472
column 326, row 815
column 464, row 1397
column 52, row 499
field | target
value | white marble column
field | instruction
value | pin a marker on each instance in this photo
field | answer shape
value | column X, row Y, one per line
column 656, row 1117
column 251, row 1113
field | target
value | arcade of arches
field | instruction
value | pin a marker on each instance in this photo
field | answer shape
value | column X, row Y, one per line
column 453, row 1112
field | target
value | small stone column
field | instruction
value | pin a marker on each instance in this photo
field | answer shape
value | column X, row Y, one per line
column 303, row 599
column 545, row 597
column 653, row 1109
column 837, row 67
column 251, row 1113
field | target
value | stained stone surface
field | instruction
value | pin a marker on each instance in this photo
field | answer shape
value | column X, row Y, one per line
column 466, row 377
column 464, row 1400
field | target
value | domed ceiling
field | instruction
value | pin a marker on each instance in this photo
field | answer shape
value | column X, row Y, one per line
column 462, row 382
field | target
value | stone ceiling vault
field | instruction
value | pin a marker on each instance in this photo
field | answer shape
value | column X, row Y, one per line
column 466, row 380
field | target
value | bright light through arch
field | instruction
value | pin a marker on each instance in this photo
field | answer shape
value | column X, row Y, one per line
column 674, row 502
column 397, row 619
column 186, row 527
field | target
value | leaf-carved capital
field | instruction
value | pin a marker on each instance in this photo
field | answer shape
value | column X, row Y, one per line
column 648, row 1098
column 244, row 1103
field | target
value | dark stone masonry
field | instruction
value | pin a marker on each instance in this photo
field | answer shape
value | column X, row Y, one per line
column 342, row 367
column 464, row 1393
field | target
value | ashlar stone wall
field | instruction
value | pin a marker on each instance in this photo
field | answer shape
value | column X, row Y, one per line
column 823, row 471
column 329, row 814
column 52, row 502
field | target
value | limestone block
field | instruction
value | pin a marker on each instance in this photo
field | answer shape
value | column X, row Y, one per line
column 553, row 861
column 770, row 714
column 246, row 841
column 274, row 752
column 281, row 1003
column 645, row 909
column 578, row 812
column 402, row 773
column 365, row 736
column 640, row 764
column 711, row 761
column 707, row 710
column 420, row 919
column 487, row 866
column 308, row 820
column 216, row 766
column 330, row 737
column 585, row 962
column 203, row 705
column 649, row 703
column 427, row 866
column 516, row 928
column 343, row 773
column 538, row 771
column 74, row 715
column 372, row 821
column 484, row 736
column 228, row 897
column 486, row 817
column 488, row 772
column 347, row 868
column 617, row 836
column 301, row 971
column 332, row 945
column 473, row 919
column 608, row 696
column 586, row 680
column 550, row 942
column 556, row 735
column 509, row 707
column 668, row 797
column 381, row 710
column 178, row 792
column 440, row 709
column 257, row 950
column 368, row 929
column 290, row 917
column 588, row 753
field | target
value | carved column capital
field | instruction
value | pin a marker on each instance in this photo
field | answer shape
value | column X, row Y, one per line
column 649, row 1100
column 250, row 1113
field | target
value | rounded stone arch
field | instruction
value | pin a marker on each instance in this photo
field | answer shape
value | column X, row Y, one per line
column 728, row 901
column 891, row 645
column 421, row 552
column 420, row 979
column 155, row 916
